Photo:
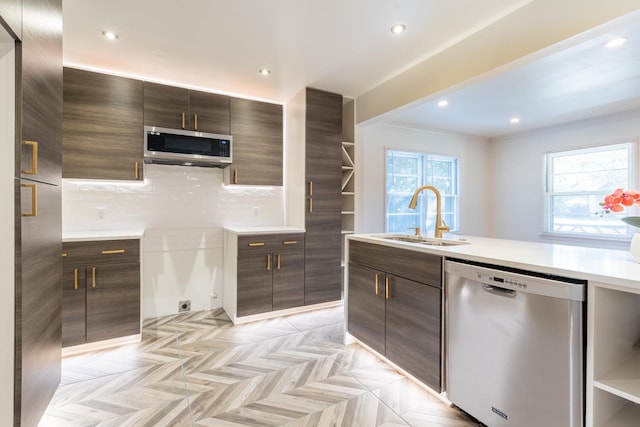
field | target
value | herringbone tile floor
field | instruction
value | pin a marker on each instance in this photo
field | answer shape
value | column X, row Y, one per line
column 197, row 369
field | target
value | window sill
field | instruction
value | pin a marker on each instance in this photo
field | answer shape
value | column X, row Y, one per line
column 621, row 242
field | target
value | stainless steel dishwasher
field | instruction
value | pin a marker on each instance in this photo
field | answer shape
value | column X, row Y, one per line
column 514, row 345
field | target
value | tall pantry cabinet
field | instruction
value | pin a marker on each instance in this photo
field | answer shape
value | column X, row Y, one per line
column 314, row 133
column 38, row 240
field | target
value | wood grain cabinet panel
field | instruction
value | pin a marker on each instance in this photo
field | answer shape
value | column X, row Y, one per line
column 323, row 217
column 103, row 136
column 399, row 317
column 178, row 108
column 270, row 273
column 366, row 306
column 101, row 290
column 257, row 129
column 38, row 154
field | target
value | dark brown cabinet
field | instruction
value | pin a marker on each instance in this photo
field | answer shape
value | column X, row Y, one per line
column 102, row 126
column 38, row 151
column 178, row 108
column 270, row 273
column 323, row 217
column 394, row 306
column 263, row 273
column 257, row 143
column 100, row 290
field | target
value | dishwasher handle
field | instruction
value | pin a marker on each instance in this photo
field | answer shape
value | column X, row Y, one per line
column 497, row 290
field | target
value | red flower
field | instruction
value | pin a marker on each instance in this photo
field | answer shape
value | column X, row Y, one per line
column 619, row 199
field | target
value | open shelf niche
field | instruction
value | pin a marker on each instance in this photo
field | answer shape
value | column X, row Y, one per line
column 348, row 171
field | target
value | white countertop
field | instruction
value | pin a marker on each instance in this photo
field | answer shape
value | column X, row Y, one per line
column 86, row 236
column 264, row 230
column 607, row 266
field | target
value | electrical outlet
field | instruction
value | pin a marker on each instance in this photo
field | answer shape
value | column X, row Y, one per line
column 184, row 306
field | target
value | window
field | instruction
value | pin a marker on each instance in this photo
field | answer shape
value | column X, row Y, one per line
column 407, row 171
column 577, row 182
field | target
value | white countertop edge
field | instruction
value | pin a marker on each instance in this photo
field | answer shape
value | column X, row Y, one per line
column 607, row 266
column 87, row 236
column 270, row 229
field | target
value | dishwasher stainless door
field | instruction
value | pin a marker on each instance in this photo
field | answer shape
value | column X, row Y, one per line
column 514, row 347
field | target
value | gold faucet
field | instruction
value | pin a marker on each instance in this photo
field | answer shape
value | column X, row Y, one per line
column 441, row 226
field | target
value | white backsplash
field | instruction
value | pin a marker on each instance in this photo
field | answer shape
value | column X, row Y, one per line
column 183, row 211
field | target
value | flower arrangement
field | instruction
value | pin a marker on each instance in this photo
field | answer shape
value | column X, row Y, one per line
column 620, row 199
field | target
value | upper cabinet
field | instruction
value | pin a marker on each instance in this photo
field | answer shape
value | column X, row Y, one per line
column 178, row 108
column 102, row 126
column 257, row 142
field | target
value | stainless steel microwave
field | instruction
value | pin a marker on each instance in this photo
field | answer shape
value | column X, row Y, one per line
column 186, row 148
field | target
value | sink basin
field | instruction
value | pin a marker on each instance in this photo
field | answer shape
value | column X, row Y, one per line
column 430, row 241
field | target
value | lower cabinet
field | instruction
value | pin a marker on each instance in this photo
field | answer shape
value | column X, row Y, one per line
column 396, row 315
column 100, row 290
column 263, row 273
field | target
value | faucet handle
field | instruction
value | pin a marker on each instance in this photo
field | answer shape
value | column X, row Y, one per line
column 417, row 230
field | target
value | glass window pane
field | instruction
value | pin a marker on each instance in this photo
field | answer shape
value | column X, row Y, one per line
column 578, row 181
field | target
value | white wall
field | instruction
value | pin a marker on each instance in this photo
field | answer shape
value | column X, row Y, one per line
column 7, row 223
column 183, row 211
column 517, row 172
column 371, row 143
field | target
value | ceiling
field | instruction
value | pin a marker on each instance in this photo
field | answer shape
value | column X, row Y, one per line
column 347, row 47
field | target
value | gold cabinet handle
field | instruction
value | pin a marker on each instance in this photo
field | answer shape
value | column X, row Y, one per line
column 65, row 254
column 93, row 277
column 278, row 261
column 136, row 170
column 378, row 283
column 34, row 199
column 269, row 262
column 290, row 242
column 34, row 158
column 254, row 244
column 75, row 279
column 235, row 175
column 195, row 122
column 387, row 291
column 310, row 196
column 182, row 115
column 113, row 251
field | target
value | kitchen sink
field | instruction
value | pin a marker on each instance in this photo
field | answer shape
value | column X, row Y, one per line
column 430, row 241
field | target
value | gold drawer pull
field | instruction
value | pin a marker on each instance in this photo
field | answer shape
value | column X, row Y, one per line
column 75, row 279
column 65, row 254
column 183, row 120
column 93, row 277
column 34, row 158
column 254, row 244
column 34, row 199
column 378, row 283
column 386, row 287
column 136, row 170
column 195, row 122
column 235, row 175
column 268, row 262
column 290, row 242
column 113, row 251
column 278, row 261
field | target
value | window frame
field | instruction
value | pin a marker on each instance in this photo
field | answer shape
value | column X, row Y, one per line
column 421, row 209
column 632, row 165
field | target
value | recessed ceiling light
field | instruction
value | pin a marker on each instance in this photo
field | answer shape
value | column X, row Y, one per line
column 615, row 42
column 264, row 71
column 110, row 35
column 398, row 28
column 443, row 103
column 514, row 120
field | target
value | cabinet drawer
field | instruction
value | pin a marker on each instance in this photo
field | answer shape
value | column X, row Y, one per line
column 418, row 266
column 271, row 242
column 101, row 251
